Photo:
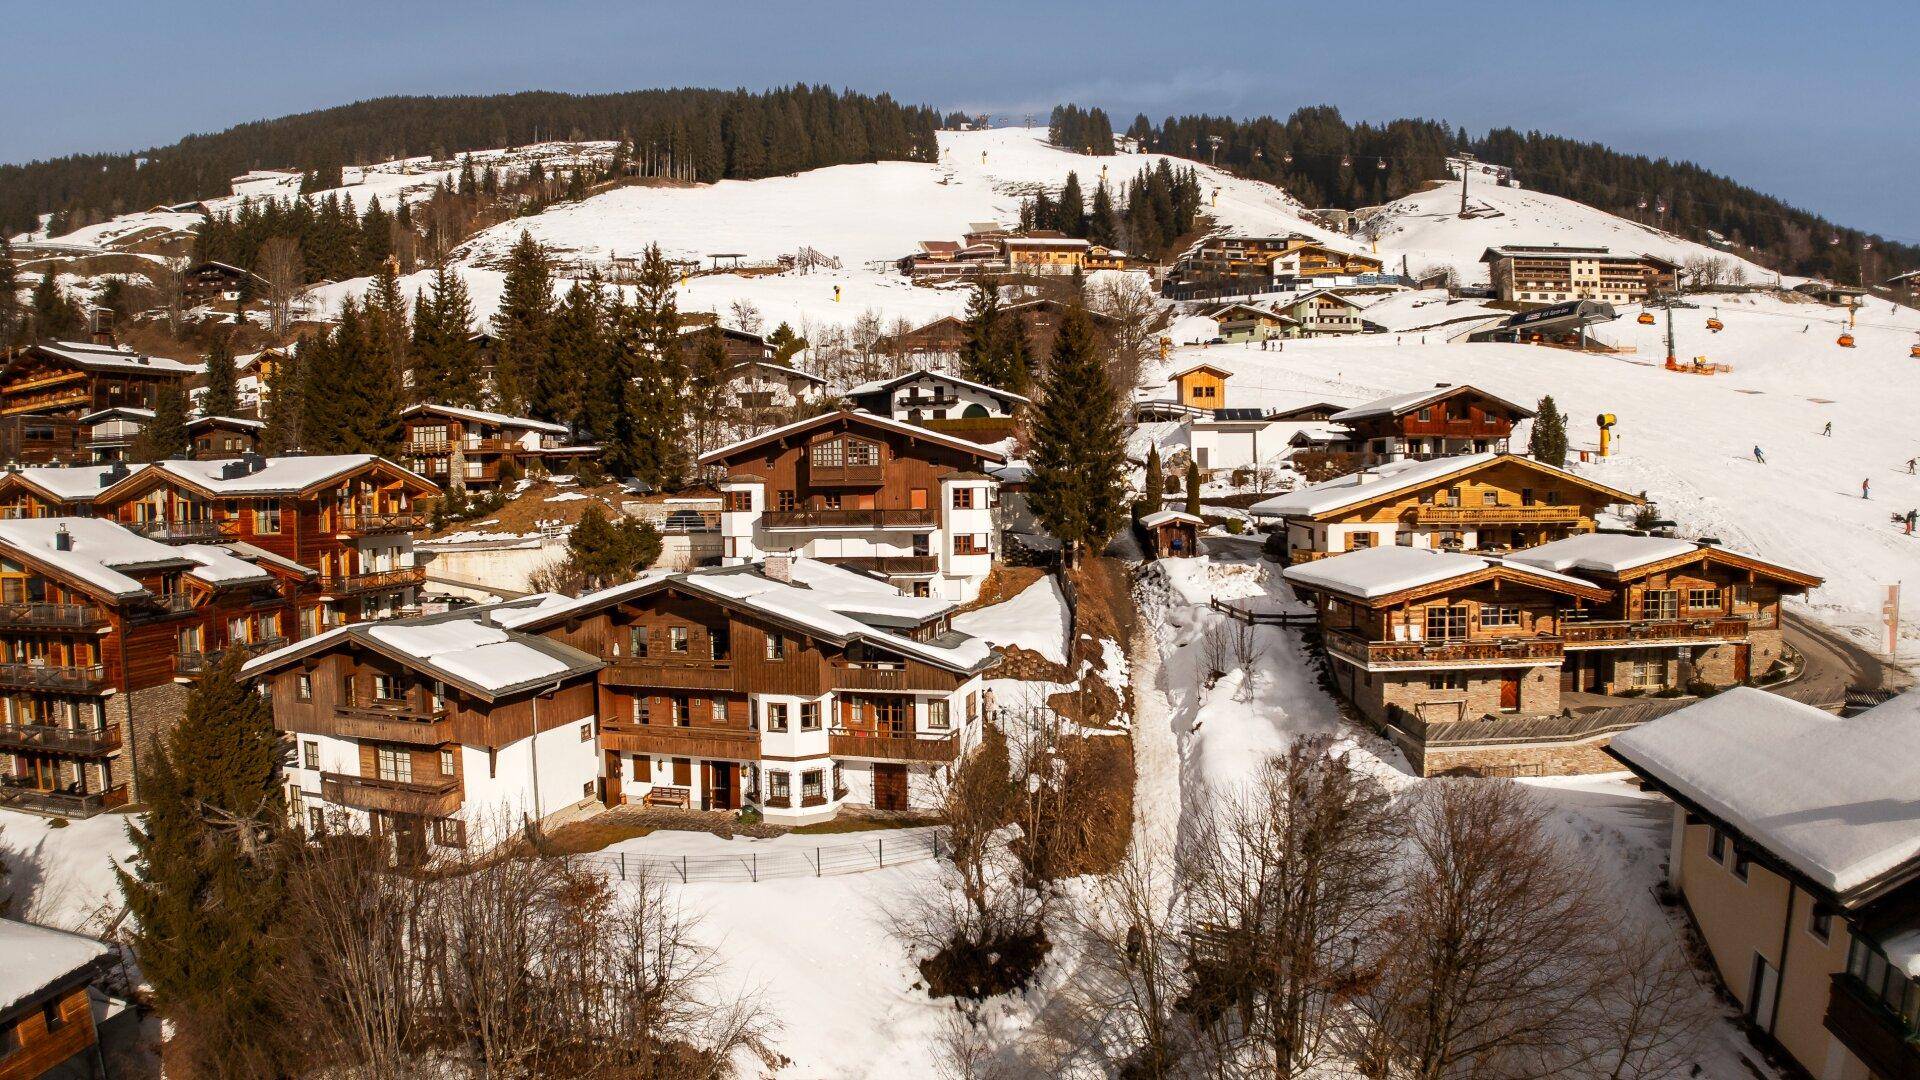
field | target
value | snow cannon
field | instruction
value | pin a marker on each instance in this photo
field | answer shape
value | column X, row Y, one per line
column 1646, row 318
column 1845, row 340
column 1606, row 420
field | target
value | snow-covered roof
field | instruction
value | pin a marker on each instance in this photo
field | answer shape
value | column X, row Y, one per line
column 775, row 365
column 40, row 957
column 276, row 475
column 234, row 421
column 828, row 601
column 884, row 422
column 464, row 648
column 100, row 551
column 87, row 354
column 1556, row 251
column 1831, row 797
column 117, row 412
column 878, row 385
column 1381, row 571
column 1395, row 404
column 1162, row 517
column 76, row 483
column 1342, row 491
column 1620, row 553
column 481, row 416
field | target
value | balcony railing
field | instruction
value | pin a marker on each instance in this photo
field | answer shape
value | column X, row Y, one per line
column 399, row 723
column 889, row 564
column 169, row 530
column 891, row 744
column 375, row 581
column 436, row 799
column 60, row 740
column 1871, row 1030
column 1495, row 515
column 80, row 804
column 848, row 519
column 195, row 661
column 679, row 674
column 43, row 615
column 1650, row 631
column 1443, row 653
column 667, row 740
column 83, row 680
column 367, row 523
column 846, row 475
column 847, row 676
column 928, row 401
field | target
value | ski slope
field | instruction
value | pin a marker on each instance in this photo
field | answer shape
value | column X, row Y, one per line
column 1688, row 440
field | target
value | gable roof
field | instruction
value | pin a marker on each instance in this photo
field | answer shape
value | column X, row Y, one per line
column 1220, row 371
column 878, row 385
column 1374, row 573
column 291, row 475
column 824, row 601
column 463, row 648
column 481, row 416
column 1831, row 797
column 113, row 358
column 1401, row 404
column 1162, row 517
column 226, row 421
column 884, row 423
column 1255, row 310
column 1396, row 477
column 69, row 483
column 1622, row 555
column 1316, row 294
column 41, row 959
column 774, row 365
column 102, row 554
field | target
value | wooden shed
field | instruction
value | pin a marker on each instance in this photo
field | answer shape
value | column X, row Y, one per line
column 1173, row 534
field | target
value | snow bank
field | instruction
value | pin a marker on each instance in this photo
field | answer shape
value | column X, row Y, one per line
column 1035, row 620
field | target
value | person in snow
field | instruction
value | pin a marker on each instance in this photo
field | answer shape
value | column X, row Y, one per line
column 1758, row 456
column 1910, row 463
column 1829, row 430
column 1863, row 488
column 1912, row 516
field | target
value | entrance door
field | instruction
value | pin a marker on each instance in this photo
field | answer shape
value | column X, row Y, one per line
column 1742, row 662
column 1509, row 690
column 722, row 789
column 611, row 786
column 1761, row 990
column 889, row 786
column 1570, row 673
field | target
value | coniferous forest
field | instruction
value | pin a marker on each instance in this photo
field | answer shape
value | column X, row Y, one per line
column 728, row 134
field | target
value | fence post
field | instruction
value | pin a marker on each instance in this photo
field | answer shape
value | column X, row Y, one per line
column 816, row 861
column 683, row 869
column 623, row 866
column 755, row 869
column 883, row 853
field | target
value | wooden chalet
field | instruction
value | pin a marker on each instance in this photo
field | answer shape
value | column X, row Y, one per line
column 68, row 380
column 46, row 1008
column 1445, row 420
column 763, row 384
column 210, row 437
column 1202, row 386
column 99, row 624
column 213, row 283
column 458, row 447
column 943, row 403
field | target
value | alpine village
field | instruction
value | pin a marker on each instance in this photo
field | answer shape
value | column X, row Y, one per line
column 792, row 584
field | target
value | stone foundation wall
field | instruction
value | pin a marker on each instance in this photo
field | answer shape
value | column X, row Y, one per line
column 1537, row 759
column 144, row 717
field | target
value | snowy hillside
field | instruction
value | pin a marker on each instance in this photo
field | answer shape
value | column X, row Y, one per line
column 1427, row 228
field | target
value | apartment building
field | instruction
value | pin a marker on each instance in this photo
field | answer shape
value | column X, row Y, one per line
column 1795, row 851
column 69, row 379
column 1553, row 274
column 1446, row 420
column 867, row 492
column 790, row 684
column 100, row 627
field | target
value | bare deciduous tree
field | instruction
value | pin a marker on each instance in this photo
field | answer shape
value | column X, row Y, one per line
column 284, row 271
column 1137, row 316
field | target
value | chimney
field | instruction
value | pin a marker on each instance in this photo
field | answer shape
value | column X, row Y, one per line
column 253, row 462
column 778, row 568
column 62, row 539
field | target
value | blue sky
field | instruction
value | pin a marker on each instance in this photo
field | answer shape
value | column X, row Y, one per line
column 1817, row 103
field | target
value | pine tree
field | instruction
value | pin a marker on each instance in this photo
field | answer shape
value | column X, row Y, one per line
column 785, row 343
column 359, row 410
column 1071, row 215
column 1078, row 449
column 446, row 360
column 207, row 888
column 1155, row 484
column 9, row 297
column 54, row 316
column 376, row 236
column 566, row 383
column 164, row 436
column 1015, row 368
column 522, row 325
column 286, row 406
column 1548, row 443
column 656, row 448
column 607, row 552
column 1103, row 224
column 984, row 338
column 709, row 370
column 387, row 332
column 1193, row 489
column 221, row 398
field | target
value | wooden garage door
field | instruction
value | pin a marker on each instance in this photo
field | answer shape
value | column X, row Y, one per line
column 889, row 786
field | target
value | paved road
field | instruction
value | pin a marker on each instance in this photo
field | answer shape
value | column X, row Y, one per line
column 1835, row 663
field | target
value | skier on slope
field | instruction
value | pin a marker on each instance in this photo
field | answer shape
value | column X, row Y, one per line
column 1758, row 456
column 1828, row 432
column 1863, row 488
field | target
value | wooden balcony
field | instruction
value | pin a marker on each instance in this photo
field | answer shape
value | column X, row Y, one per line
column 54, row 739
column 938, row 400
column 667, row 672
column 396, row 723
column 1421, row 654
column 891, row 744
column 1496, row 515
column 666, row 740
column 435, row 799
column 1600, row 634
column 41, row 615
column 377, row 581
column 359, row 523
column 847, row 519
column 903, row 565
column 79, row 680
column 174, row 531
column 1870, row 1030
column 194, row 662
column 77, row 804
column 846, row 475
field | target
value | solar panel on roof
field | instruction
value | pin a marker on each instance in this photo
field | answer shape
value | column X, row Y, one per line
column 1238, row 414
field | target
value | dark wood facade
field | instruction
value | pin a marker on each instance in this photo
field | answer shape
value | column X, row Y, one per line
column 68, row 382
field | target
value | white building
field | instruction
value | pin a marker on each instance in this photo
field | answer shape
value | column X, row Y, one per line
column 922, row 397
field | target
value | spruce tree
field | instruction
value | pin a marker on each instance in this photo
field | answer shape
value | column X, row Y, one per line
column 446, row 360
column 984, row 338
column 785, row 343
column 1103, row 224
column 164, row 436
column 523, row 325
column 285, row 407
column 221, row 398
column 387, row 332
column 564, row 385
column 1154, row 486
column 207, row 886
column 1070, row 215
column 657, row 450
column 1193, row 489
column 610, row 552
column 1078, row 448
column 1015, row 365
column 54, row 316
column 1548, row 442
column 9, row 297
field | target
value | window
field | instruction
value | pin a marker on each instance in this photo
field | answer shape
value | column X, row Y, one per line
column 738, row 501
column 1647, row 674
column 395, row 764
column 812, row 784
column 970, row 544
column 778, row 785
column 266, row 517
column 640, row 710
column 937, row 719
column 809, row 716
column 638, row 640
column 963, row 498
column 1740, row 864
column 1359, row 541
column 677, row 638
column 309, row 755
column 1526, row 496
column 785, row 500
column 386, row 688
column 682, row 716
column 1489, row 498
column 1703, row 599
column 1447, row 680
column 1447, row 623
column 316, row 820
column 347, row 694
column 1499, row 615
column 446, row 762
column 1426, row 413
column 718, row 712
column 1820, row 922
column 776, row 646
column 586, row 731
column 1717, row 846
column 449, row 832
column 303, row 687
column 1661, row 604
column 830, row 454
column 776, row 716
column 862, row 453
